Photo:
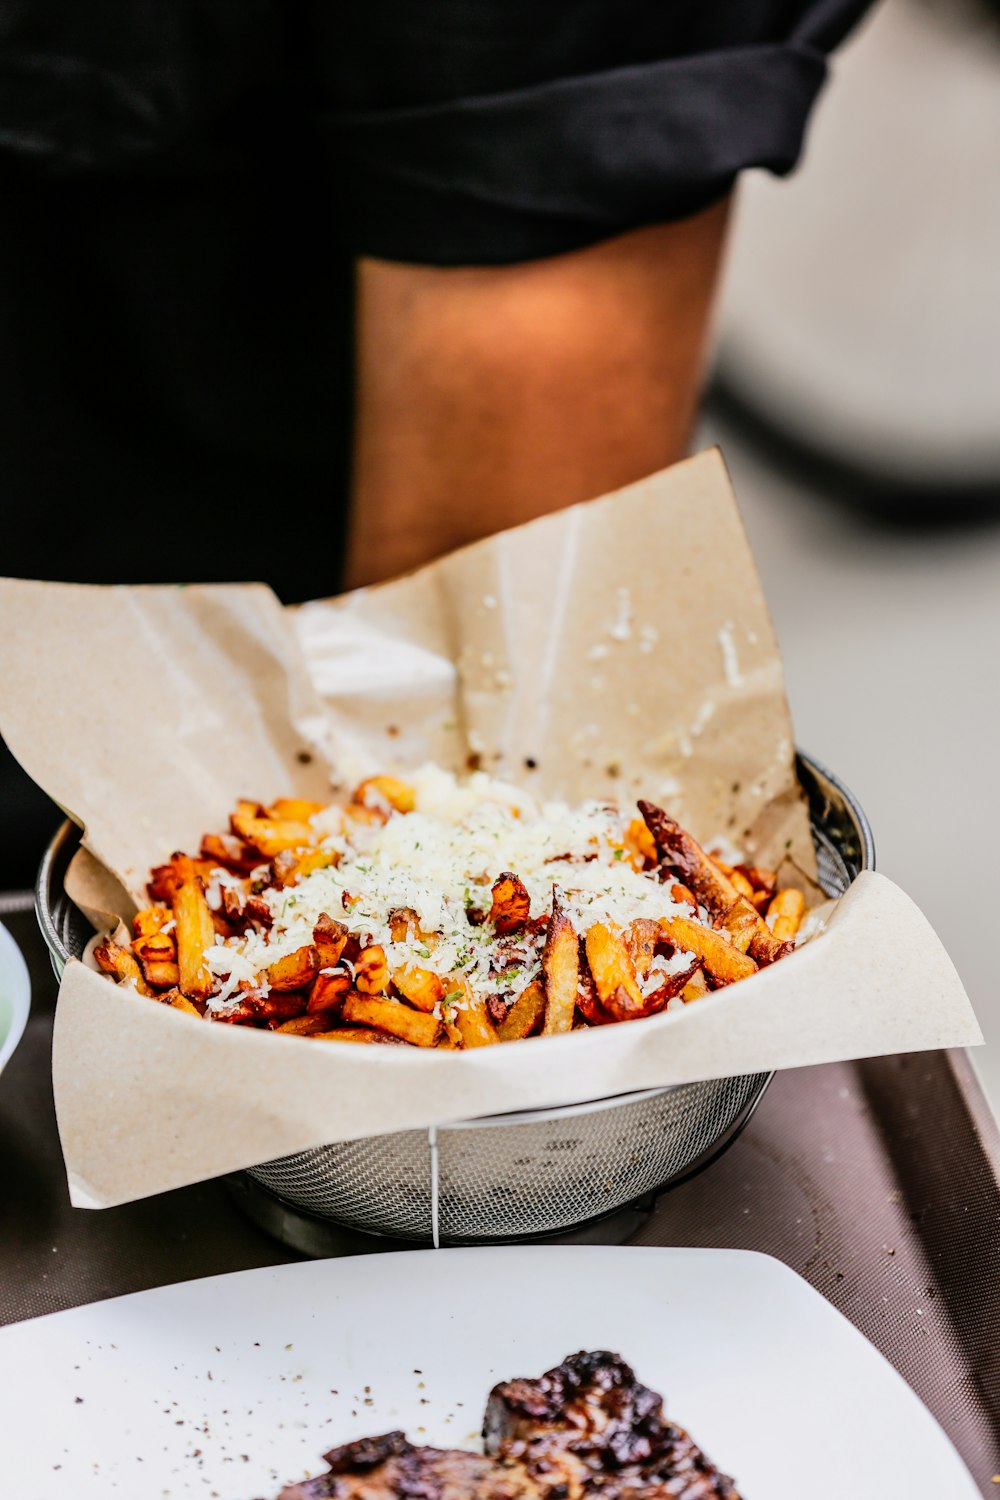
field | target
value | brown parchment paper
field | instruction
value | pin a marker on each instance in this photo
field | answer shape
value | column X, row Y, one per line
column 619, row 647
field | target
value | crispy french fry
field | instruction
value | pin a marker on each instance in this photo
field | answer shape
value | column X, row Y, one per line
column 162, row 975
column 613, row 970
column 293, row 810
column 150, row 920
column 296, row 971
column 474, row 1025
column 271, row 836
column 403, row 923
column 470, row 1016
column 561, row 968
column 739, row 925
column 358, row 1034
column 511, row 903
column 683, row 895
column 714, row 890
column 293, row 865
column 587, row 1002
column 719, row 958
column 765, row 881
column 195, row 933
column 696, row 986
column 525, row 1014
column 622, row 1008
column 328, row 991
column 230, row 852
column 739, row 880
column 399, row 794
column 158, row 947
column 420, row 987
column 121, row 965
column 371, row 972
column 277, row 1005
column 640, row 846
column 181, row 1002
column 307, row 1025
column 641, row 938
column 329, row 940
column 392, row 1016
column 785, row 913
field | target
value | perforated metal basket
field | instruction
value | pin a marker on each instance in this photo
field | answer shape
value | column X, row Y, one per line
column 510, row 1177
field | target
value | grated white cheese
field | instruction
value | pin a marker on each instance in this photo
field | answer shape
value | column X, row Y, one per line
column 441, row 860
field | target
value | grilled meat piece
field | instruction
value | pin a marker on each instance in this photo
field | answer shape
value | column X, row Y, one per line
column 589, row 1425
column 385, row 1467
column 586, row 1430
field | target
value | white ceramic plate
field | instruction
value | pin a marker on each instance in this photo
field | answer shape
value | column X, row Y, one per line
column 15, row 995
column 234, row 1385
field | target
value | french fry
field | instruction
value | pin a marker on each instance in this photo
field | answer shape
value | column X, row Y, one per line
column 739, row 880
column 714, row 890
column 296, row 971
column 561, row 968
column 272, row 836
column 641, row 938
column 587, row 1002
column 230, row 852
column 293, row 810
column 277, row 1005
column 181, row 1002
column 357, row 1034
column 122, row 965
column 150, row 920
column 403, row 923
column 621, row 1007
column 740, row 925
column 327, row 991
column 399, row 794
column 696, row 986
column 162, row 975
column 511, row 903
column 371, row 972
column 329, row 939
column 785, row 913
column 195, row 933
column 158, row 947
column 682, row 895
column 718, row 957
column 293, row 865
column 763, row 881
column 765, row 946
column 525, row 1014
column 393, row 1017
column 419, row 987
column 640, row 846
column 613, row 970
column 474, row 1025
column 307, row 1025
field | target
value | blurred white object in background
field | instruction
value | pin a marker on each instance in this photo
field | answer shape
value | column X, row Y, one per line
column 15, row 996
column 861, row 311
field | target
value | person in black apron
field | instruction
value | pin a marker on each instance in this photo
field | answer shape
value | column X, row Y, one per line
column 471, row 242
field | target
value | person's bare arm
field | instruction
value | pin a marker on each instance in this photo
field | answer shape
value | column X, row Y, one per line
column 488, row 396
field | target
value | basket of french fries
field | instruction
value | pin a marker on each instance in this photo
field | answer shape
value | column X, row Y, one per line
column 496, row 963
column 472, row 906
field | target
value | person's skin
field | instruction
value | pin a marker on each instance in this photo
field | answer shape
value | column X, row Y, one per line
column 488, row 396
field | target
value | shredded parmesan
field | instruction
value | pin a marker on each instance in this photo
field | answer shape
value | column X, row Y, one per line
column 441, row 860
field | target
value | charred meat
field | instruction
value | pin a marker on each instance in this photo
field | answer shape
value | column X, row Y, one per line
column 591, row 1426
column 586, row 1430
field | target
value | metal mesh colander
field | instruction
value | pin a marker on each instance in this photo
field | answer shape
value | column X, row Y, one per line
column 514, row 1176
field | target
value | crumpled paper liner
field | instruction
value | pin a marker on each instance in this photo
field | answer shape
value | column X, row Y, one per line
column 618, row 648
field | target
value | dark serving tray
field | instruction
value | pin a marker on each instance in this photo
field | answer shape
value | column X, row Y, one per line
column 879, row 1182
